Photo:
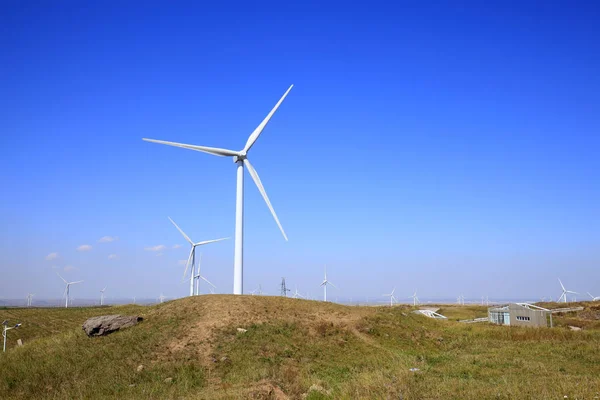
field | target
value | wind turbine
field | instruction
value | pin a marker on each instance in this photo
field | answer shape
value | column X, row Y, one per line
column 258, row 291
column 297, row 294
column 198, row 276
column 392, row 297
column 102, row 296
column 192, row 256
column 240, row 158
column 161, row 298
column 30, row 299
column 67, row 289
column 564, row 292
column 415, row 298
column 324, row 284
column 594, row 298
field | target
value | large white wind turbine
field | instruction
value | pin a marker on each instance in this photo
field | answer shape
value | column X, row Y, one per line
column 392, row 297
column 594, row 298
column 192, row 257
column 240, row 157
column 324, row 284
column 67, row 289
column 563, row 296
column 102, row 296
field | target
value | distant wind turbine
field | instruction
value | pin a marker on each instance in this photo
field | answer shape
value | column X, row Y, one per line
column 198, row 276
column 392, row 297
column 67, row 289
column 297, row 294
column 240, row 158
column 563, row 296
column 161, row 298
column 415, row 298
column 258, row 291
column 30, row 299
column 102, row 296
column 324, row 284
column 192, row 257
column 594, row 298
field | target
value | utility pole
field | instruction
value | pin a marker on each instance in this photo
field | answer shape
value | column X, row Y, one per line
column 284, row 288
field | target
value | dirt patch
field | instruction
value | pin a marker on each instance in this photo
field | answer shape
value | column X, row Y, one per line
column 266, row 390
column 206, row 315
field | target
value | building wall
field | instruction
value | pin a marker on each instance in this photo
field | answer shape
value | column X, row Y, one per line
column 536, row 317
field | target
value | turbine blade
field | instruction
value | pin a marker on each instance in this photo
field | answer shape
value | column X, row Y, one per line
column 72, row 283
column 187, row 264
column 590, row 295
column 215, row 151
column 182, row 232
column 254, row 135
column 207, row 281
column 561, row 285
column 209, row 241
column 64, row 280
column 332, row 284
column 262, row 191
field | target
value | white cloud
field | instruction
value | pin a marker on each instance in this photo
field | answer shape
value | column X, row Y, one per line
column 52, row 256
column 113, row 256
column 108, row 239
column 182, row 262
column 159, row 247
column 159, row 254
column 176, row 246
column 69, row 268
column 84, row 247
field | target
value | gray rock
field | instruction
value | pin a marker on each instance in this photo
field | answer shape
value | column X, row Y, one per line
column 102, row 326
column 140, row 368
column 169, row 380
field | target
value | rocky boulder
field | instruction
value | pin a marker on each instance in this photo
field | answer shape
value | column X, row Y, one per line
column 102, row 326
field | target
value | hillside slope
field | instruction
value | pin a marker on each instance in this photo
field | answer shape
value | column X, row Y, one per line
column 293, row 349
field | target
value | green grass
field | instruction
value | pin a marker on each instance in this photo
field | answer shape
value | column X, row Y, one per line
column 298, row 349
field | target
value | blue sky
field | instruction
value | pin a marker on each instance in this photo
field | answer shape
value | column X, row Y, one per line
column 453, row 148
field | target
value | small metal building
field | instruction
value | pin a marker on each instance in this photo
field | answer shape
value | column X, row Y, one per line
column 520, row 314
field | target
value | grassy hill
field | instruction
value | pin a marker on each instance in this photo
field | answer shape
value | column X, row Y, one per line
column 297, row 349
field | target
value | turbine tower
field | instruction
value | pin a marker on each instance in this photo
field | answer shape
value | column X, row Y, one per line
column 240, row 158
column 67, row 289
column 324, row 284
column 392, row 297
column 102, row 296
column 192, row 256
column 563, row 296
